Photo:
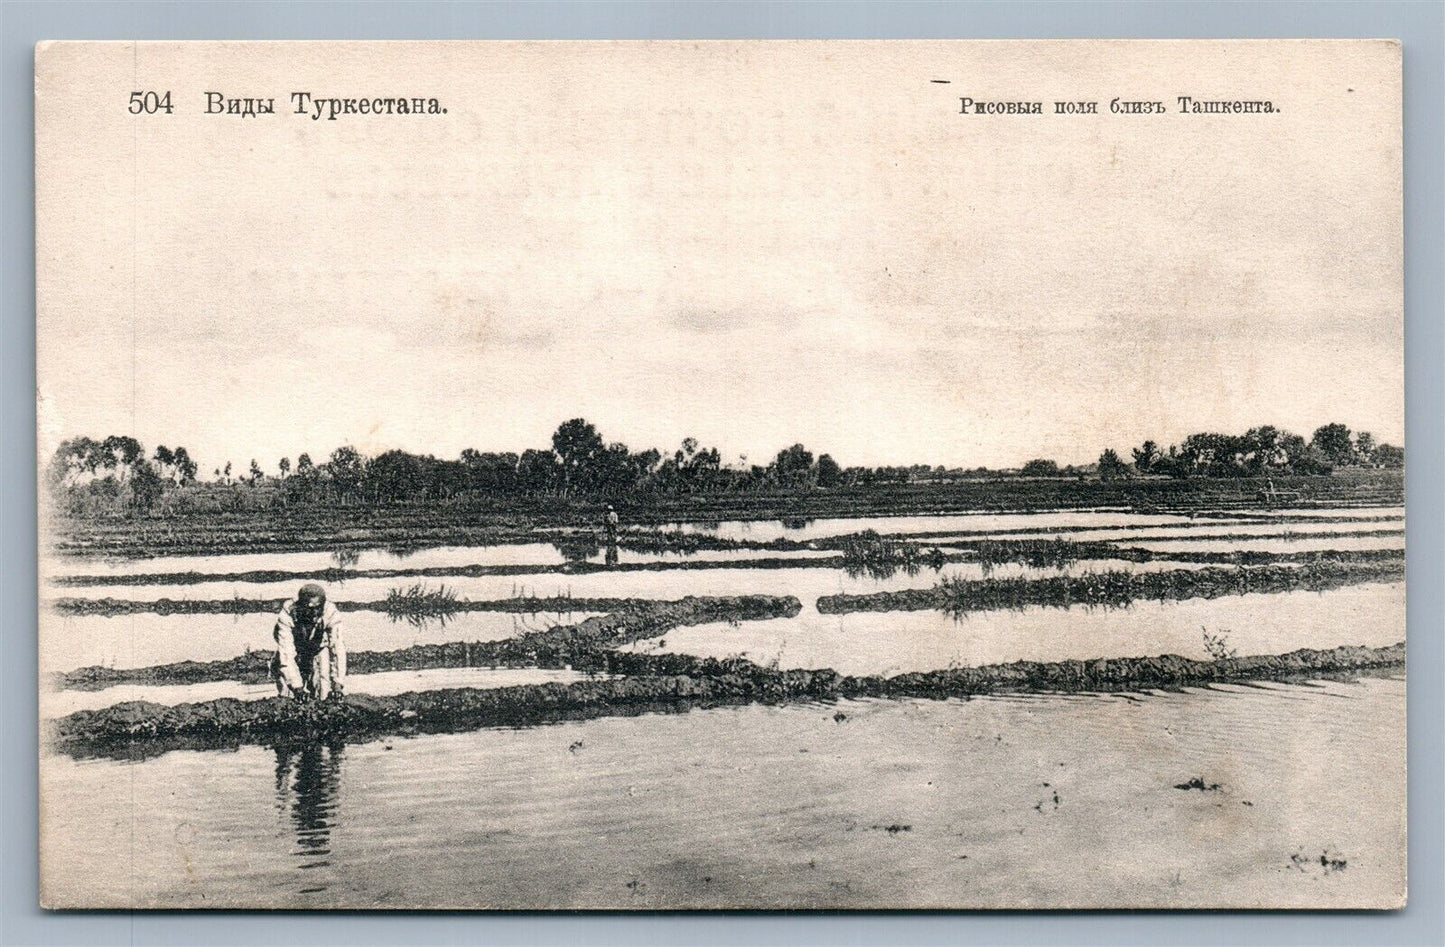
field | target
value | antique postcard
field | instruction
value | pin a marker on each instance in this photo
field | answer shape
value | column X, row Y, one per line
column 717, row 475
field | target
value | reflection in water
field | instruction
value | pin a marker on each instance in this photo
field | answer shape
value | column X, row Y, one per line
column 718, row 807
column 586, row 548
column 308, row 780
column 886, row 569
column 577, row 549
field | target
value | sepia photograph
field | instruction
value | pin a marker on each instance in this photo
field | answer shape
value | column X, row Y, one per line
column 658, row 475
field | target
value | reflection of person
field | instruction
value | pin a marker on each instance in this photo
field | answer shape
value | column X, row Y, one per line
column 310, row 661
column 610, row 523
column 308, row 779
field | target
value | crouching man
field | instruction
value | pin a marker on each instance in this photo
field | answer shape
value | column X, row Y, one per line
column 310, row 661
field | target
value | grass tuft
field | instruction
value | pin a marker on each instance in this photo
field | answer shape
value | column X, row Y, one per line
column 868, row 553
column 418, row 604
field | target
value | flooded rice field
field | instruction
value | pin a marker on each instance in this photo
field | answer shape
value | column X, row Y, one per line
column 130, row 641
column 439, row 557
column 887, row 643
column 982, row 523
column 887, row 802
column 1292, row 544
column 808, row 583
column 984, row 803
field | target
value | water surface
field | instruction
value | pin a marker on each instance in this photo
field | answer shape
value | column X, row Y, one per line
column 1022, row 802
column 129, row 641
column 887, row 643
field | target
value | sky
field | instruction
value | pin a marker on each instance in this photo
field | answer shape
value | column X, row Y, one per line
column 753, row 245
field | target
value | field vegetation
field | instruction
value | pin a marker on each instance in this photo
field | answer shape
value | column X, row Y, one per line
column 868, row 553
column 1119, row 589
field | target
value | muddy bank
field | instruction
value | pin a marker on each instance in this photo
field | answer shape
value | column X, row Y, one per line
column 1244, row 557
column 1118, row 588
column 684, row 682
column 107, row 606
column 337, row 575
column 1283, row 535
column 1057, row 553
column 556, row 647
column 521, row 605
column 1032, row 552
column 966, row 536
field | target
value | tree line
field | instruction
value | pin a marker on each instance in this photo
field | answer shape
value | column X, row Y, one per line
column 1260, row 451
column 580, row 463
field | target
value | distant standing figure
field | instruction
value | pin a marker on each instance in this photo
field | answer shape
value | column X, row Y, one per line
column 310, row 661
column 611, row 523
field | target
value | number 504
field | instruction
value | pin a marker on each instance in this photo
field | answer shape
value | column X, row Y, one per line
column 150, row 103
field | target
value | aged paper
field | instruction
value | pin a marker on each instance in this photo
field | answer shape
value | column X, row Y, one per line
column 721, row 475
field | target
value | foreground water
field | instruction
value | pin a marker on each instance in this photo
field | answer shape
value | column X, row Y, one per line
column 1043, row 801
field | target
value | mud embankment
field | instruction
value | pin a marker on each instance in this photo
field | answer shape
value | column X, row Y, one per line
column 997, row 551
column 1246, row 557
column 336, row 575
column 560, row 646
column 1117, row 588
column 1369, row 564
column 521, row 605
column 683, row 683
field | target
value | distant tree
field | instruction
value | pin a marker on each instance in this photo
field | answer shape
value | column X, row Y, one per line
column 1333, row 441
column 829, row 473
column 1213, row 455
column 613, row 470
column 1040, row 468
column 1110, row 466
column 793, row 467
column 395, row 476
column 284, row 466
column 164, row 459
column 493, row 473
column 347, row 468
column 538, row 471
column 577, row 446
column 1365, row 447
column 184, row 466
column 121, row 454
column 256, row 473
column 647, row 462
column 1388, row 455
column 1145, row 456
column 226, row 472
column 1263, row 450
column 74, row 461
column 305, row 485
column 691, row 467
column 146, row 486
